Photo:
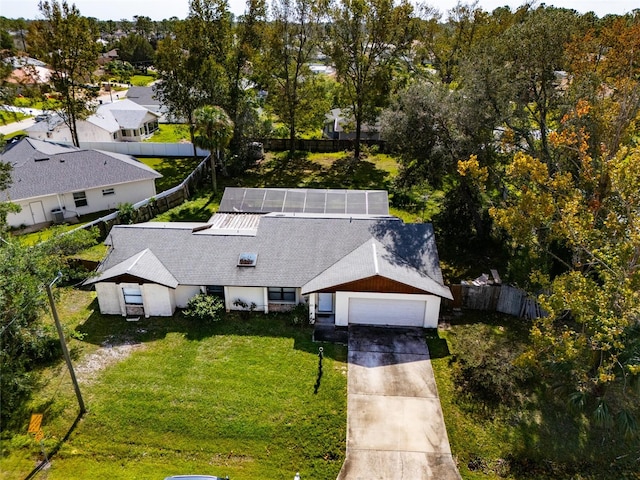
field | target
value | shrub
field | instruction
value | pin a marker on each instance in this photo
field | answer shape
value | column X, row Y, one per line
column 205, row 308
column 486, row 369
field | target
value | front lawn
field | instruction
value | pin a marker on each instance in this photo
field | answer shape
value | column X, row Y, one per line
column 231, row 398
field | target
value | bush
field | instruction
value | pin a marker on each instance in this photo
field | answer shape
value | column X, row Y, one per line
column 205, row 308
column 486, row 369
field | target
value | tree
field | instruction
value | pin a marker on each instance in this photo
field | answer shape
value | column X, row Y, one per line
column 214, row 130
column 294, row 36
column 69, row 44
column 590, row 340
column 192, row 65
column 245, row 50
column 136, row 50
column 366, row 40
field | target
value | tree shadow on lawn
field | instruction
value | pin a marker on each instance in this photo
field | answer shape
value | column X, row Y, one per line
column 282, row 171
column 300, row 171
column 347, row 173
column 114, row 330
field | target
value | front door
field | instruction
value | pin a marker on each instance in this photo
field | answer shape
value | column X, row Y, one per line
column 325, row 302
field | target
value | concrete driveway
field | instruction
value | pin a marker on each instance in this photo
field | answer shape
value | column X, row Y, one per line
column 395, row 424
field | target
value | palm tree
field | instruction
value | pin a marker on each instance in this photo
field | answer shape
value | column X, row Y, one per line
column 213, row 131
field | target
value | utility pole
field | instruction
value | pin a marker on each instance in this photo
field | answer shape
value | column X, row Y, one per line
column 65, row 350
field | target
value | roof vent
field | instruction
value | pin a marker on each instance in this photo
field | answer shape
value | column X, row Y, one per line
column 247, row 259
column 41, row 159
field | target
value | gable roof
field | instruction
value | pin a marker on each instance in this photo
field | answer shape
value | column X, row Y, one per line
column 125, row 113
column 291, row 250
column 45, row 168
column 144, row 265
column 371, row 259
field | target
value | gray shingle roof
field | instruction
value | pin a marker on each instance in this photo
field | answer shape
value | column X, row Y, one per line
column 126, row 113
column 44, row 168
column 142, row 96
column 143, row 265
column 370, row 259
column 291, row 251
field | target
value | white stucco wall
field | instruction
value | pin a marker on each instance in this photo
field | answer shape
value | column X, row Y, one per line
column 257, row 295
column 159, row 301
column 131, row 192
column 108, row 300
column 432, row 309
column 184, row 293
column 87, row 132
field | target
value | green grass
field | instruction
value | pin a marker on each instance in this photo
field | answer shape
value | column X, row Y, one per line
column 232, row 398
column 170, row 133
column 141, row 80
column 199, row 209
column 537, row 438
column 11, row 117
column 173, row 170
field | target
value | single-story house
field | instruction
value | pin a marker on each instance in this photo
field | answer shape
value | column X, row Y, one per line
column 338, row 126
column 53, row 182
column 338, row 251
column 120, row 121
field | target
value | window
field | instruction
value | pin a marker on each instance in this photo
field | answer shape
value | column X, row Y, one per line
column 215, row 290
column 132, row 295
column 247, row 259
column 115, row 135
column 281, row 294
column 80, row 198
column 108, row 191
column 125, row 133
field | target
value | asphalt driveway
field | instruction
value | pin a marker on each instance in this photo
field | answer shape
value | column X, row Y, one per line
column 395, row 424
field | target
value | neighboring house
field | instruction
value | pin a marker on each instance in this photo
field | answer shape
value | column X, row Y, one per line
column 53, row 182
column 120, row 121
column 28, row 71
column 339, row 251
column 339, row 127
column 107, row 57
column 146, row 97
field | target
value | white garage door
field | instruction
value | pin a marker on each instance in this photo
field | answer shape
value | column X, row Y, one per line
column 381, row 311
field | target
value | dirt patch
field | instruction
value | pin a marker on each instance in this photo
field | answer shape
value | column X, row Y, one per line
column 112, row 351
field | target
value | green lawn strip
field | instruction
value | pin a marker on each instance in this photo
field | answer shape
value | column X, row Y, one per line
column 170, row 133
column 141, row 80
column 235, row 398
column 7, row 117
column 173, row 170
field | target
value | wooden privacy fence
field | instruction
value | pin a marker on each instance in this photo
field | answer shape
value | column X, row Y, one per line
column 495, row 298
column 148, row 208
column 318, row 146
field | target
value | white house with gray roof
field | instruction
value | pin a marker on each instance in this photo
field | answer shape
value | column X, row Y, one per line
column 368, row 268
column 120, row 121
column 56, row 182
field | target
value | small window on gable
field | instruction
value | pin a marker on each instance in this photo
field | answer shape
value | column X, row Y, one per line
column 247, row 259
column 108, row 191
column 80, row 199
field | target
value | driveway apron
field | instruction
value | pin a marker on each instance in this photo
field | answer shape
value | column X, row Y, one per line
column 395, row 423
